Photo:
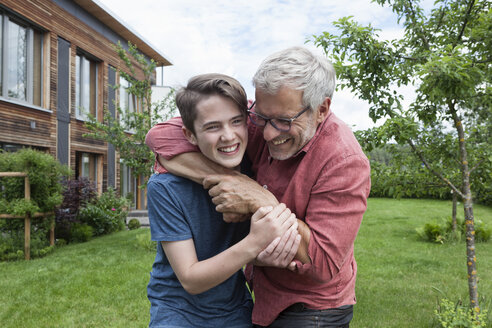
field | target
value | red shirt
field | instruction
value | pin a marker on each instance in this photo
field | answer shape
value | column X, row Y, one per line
column 326, row 184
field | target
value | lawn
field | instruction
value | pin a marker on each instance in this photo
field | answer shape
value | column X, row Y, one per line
column 102, row 283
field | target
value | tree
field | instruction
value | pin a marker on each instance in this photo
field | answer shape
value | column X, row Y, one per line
column 446, row 57
column 127, row 131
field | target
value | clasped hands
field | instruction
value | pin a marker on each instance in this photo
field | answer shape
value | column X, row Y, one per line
column 238, row 197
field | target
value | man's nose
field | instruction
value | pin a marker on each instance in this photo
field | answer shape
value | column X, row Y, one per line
column 269, row 132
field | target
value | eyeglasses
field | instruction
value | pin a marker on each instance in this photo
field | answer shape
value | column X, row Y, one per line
column 281, row 124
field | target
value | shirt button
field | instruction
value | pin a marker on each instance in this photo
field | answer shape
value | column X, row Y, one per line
column 265, row 186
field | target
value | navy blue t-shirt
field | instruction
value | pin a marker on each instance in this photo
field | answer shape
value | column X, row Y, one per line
column 181, row 209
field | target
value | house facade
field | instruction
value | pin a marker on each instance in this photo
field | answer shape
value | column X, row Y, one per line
column 58, row 63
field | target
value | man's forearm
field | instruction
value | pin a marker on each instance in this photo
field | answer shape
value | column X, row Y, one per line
column 302, row 252
column 193, row 166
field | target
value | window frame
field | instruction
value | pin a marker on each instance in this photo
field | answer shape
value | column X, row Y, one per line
column 33, row 54
column 95, row 167
column 81, row 59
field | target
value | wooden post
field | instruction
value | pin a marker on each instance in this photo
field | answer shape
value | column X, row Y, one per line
column 27, row 221
column 28, row 217
column 52, row 233
column 27, row 237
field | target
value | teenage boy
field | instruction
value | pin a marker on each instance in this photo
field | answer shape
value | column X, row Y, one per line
column 196, row 279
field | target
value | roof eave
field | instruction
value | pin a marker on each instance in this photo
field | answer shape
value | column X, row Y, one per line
column 108, row 18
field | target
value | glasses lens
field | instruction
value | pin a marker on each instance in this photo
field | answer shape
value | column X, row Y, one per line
column 280, row 124
column 258, row 120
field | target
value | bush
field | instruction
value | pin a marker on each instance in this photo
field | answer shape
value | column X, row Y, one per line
column 12, row 243
column 133, row 224
column 77, row 194
column 440, row 233
column 453, row 315
column 81, row 233
column 45, row 174
column 106, row 215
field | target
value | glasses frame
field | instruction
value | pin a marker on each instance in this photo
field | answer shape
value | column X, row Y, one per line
column 270, row 120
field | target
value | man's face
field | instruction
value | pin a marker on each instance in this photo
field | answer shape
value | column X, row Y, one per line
column 220, row 131
column 286, row 103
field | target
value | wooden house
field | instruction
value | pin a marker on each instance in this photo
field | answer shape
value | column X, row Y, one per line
column 57, row 62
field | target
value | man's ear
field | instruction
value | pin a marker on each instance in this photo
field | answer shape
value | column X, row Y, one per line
column 323, row 110
column 189, row 136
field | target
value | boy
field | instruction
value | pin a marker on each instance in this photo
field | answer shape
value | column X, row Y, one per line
column 196, row 279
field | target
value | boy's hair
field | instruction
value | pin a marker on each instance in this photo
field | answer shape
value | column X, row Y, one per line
column 201, row 87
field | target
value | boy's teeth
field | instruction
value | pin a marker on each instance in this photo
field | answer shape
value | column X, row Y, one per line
column 229, row 149
column 281, row 141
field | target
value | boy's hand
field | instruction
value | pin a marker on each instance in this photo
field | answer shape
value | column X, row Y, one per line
column 280, row 253
column 269, row 223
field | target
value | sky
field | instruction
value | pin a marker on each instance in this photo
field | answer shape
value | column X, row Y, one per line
column 233, row 37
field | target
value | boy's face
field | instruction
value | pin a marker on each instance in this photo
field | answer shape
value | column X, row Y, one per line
column 220, row 131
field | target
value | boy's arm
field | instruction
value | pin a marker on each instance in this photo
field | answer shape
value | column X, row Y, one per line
column 199, row 276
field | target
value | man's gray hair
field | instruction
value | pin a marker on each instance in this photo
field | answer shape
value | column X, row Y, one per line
column 299, row 69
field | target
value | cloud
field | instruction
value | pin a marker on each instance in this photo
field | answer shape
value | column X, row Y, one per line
column 233, row 37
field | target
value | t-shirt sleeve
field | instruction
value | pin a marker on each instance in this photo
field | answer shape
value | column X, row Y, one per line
column 166, row 216
column 167, row 140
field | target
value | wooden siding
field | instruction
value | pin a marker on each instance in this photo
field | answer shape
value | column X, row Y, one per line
column 15, row 126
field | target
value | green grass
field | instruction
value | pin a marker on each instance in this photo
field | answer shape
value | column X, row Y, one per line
column 398, row 274
column 102, row 283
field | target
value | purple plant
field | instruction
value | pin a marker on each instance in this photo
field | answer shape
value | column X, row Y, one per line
column 77, row 193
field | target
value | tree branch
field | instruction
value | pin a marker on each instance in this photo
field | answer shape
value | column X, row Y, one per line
column 465, row 22
column 476, row 165
column 421, row 33
column 437, row 174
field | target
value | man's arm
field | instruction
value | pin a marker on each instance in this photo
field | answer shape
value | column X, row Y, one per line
column 193, row 166
column 336, row 205
column 174, row 153
column 240, row 194
column 199, row 276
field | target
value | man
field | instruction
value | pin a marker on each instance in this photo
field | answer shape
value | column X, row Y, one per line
column 304, row 156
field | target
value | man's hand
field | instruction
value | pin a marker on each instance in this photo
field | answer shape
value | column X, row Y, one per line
column 280, row 253
column 237, row 193
column 233, row 217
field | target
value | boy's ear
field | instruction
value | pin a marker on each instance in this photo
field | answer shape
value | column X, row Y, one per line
column 189, row 136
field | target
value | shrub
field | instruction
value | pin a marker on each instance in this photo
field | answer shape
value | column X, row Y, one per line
column 106, row 215
column 449, row 314
column 77, row 194
column 12, row 243
column 133, row 224
column 440, row 233
column 81, row 232
column 45, row 174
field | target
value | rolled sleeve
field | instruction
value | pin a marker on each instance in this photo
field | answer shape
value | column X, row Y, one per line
column 167, row 140
column 337, row 203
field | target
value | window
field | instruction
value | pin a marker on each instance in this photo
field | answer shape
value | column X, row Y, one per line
column 11, row 147
column 21, row 50
column 128, row 183
column 128, row 102
column 85, row 87
column 88, row 166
